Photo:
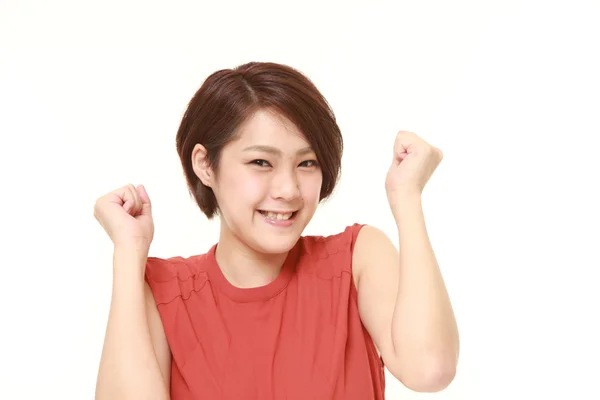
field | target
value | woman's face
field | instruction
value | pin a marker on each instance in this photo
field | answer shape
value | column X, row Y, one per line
column 268, row 183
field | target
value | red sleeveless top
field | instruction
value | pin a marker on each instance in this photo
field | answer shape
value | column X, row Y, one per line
column 298, row 337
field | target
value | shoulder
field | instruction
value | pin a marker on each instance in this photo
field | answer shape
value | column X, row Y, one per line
column 358, row 235
column 329, row 255
column 325, row 245
column 351, row 250
column 371, row 248
column 177, row 276
column 369, row 239
column 163, row 269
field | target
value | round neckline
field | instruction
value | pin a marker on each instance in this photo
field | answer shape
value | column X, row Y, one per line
column 259, row 293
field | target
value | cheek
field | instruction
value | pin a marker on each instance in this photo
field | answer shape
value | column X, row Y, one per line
column 311, row 188
column 245, row 186
column 252, row 190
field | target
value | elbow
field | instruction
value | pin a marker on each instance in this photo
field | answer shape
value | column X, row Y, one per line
column 433, row 380
column 429, row 377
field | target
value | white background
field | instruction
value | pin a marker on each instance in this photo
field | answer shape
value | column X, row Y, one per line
column 91, row 95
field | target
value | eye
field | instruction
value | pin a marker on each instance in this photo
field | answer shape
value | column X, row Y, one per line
column 309, row 163
column 260, row 163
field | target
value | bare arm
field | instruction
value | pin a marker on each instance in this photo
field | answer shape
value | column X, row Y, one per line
column 136, row 360
column 404, row 304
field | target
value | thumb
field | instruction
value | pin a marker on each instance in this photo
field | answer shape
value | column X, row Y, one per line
column 146, row 204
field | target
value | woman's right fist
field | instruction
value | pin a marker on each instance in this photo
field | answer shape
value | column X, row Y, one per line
column 126, row 216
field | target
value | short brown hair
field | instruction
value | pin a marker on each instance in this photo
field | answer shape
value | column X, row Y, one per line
column 229, row 96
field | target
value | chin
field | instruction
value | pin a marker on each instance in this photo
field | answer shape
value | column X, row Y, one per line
column 267, row 246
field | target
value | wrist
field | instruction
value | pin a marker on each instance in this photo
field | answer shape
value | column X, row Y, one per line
column 131, row 251
column 405, row 203
column 128, row 258
column 404, row 198
column 137, row 244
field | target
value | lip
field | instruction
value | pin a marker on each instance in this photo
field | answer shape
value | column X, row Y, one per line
column 279, row 212
column 279, row 222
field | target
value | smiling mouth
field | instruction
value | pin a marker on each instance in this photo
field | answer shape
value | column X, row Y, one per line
column 275, row 216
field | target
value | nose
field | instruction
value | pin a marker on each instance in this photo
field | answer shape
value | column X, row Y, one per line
column 285, row 186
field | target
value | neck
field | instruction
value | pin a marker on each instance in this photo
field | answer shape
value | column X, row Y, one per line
column 243, row 266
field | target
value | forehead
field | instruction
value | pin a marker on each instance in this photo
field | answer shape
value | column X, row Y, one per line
column 270, row 128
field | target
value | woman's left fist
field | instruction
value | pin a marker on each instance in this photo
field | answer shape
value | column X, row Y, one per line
column 414, row 162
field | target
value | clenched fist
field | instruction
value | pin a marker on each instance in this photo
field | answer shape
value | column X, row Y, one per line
column 413, row 164
column 126, row 216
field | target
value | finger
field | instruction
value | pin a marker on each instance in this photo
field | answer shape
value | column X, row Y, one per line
column 141, row 189
column 137, row 202
column 118, row 196
column 128, row 200
column 400, row 148
column 146, row 203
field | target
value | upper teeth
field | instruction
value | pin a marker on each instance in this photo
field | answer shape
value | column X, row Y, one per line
column 273, row 215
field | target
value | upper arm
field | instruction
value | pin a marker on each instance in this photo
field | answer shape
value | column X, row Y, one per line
column 159, row 339
column 375, row 262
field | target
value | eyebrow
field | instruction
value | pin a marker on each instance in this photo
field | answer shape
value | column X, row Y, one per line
column 276, row 151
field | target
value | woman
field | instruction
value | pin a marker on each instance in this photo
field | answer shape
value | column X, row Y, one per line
column 268, row 313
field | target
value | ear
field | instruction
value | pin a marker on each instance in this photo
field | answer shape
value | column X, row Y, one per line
column 201, row 165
